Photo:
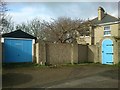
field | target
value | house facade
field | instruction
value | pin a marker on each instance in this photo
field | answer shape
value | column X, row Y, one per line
column 106, row 30
column 104, row 25
column 105, row 34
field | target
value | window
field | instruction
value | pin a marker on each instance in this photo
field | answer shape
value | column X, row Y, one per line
column 87, row 32
column 107, row 31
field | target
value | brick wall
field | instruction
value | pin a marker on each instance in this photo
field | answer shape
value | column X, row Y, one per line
column 93, row 53
column 82, row 53
column 58, row 53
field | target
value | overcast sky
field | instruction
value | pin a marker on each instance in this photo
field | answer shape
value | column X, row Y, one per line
column 25, row 11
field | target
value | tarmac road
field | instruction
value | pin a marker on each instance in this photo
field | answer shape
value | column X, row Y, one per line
column 77, row 76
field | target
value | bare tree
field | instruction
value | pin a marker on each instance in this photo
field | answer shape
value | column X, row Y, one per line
column 66, row 30
column 63, row 29
column 6, row 24
column 33, row 27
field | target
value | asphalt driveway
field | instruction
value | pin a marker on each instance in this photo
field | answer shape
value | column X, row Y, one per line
column 76, row 76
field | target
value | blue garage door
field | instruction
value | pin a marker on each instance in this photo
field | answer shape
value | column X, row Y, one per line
column 17, row 50
column 107, row 51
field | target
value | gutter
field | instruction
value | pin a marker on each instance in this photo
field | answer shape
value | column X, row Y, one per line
column 109, row 23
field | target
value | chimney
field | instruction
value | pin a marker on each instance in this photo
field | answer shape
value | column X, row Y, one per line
column 100, row 13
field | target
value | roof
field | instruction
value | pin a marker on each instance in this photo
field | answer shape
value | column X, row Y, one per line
column 18, row 34
column 106, row 19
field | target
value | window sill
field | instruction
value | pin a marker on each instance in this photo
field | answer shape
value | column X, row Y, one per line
column 107, row 35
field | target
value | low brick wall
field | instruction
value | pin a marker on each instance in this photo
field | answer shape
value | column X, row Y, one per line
column 88, row 53
column 82, row 53
column 56, row 53
column 93, row 53
column 40, row 52
column 59, row 53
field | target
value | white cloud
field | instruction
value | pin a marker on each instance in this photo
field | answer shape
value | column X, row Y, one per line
column 28, row 9
column 46, row 11
column 27, row 14
column 19, row 17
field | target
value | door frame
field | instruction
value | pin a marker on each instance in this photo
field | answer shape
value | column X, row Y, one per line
column 102, row 55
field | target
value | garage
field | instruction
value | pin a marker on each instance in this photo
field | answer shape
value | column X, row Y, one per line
column 17, row 47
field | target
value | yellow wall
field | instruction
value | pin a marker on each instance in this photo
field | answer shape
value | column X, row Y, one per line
column 84, row 40
column 88, row 40
column 114, row 30
column 99, row 32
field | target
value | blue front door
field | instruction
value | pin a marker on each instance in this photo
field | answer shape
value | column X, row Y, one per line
column 107, row 51
column 17, row 50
